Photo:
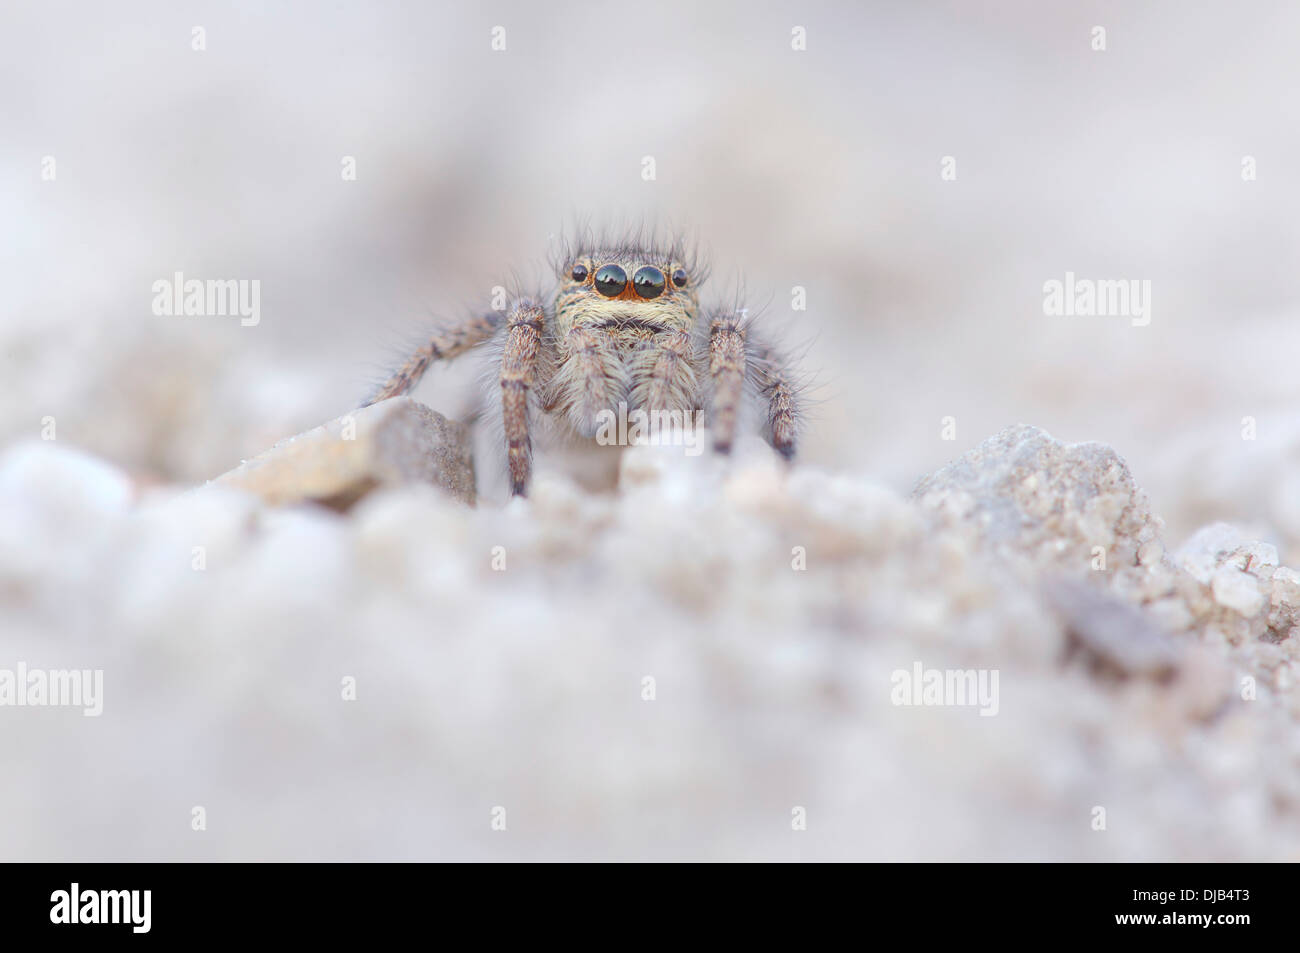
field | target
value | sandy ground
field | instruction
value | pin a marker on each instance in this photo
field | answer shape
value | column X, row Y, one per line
column 818, row 169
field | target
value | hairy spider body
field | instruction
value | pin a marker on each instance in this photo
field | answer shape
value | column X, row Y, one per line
column 625, row 332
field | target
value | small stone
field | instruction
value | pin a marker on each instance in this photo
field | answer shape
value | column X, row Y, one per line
column 1202, row 555
column 390, row 443
column 1256, row 558
column 57, row 504
column 1238, row 591
column 1286, row 587
column 64, row 482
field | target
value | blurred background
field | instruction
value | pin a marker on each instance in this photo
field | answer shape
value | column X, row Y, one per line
column 816, row 168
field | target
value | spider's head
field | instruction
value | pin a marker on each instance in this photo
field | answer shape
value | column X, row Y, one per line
column 628, row 288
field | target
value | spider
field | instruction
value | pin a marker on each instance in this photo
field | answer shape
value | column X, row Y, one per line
column 624, row 331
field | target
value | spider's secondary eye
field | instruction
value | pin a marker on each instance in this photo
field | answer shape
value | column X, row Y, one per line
column 611, row 280
column 648, row 282
column 679, row 278
column 579, row 272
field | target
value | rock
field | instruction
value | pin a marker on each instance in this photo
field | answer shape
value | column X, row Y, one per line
column 1284, row 601
column 1208, row 549
column 1030, row 497
column 62, row 481
column 1238, row 579
column 1113, row 633
column 1070, row 522
column 57, row 504
column 1238, row 591
column 390, row 443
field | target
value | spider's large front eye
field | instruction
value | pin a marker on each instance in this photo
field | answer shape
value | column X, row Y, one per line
column 648, row 282
column 679, row 278
column 579, row 272
column 611, row 280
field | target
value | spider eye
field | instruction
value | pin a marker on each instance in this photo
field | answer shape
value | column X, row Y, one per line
column 611, row 280
column 679, row 278
column 648, row 282
column 579, row 272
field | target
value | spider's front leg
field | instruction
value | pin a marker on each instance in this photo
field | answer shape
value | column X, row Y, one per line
column 727, row 372
column 776, row 385
column 735, row 355
column 662, row 376
column 525, row 322
column 444, row 344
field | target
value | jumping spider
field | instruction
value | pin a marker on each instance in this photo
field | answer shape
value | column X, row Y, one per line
column 625, row 328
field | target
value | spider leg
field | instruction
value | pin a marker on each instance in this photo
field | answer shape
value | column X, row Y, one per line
column 592, row 379
column 727, row 370
column 664, row 379
column 774, row 382
column 446, row 343
column 525, row 322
